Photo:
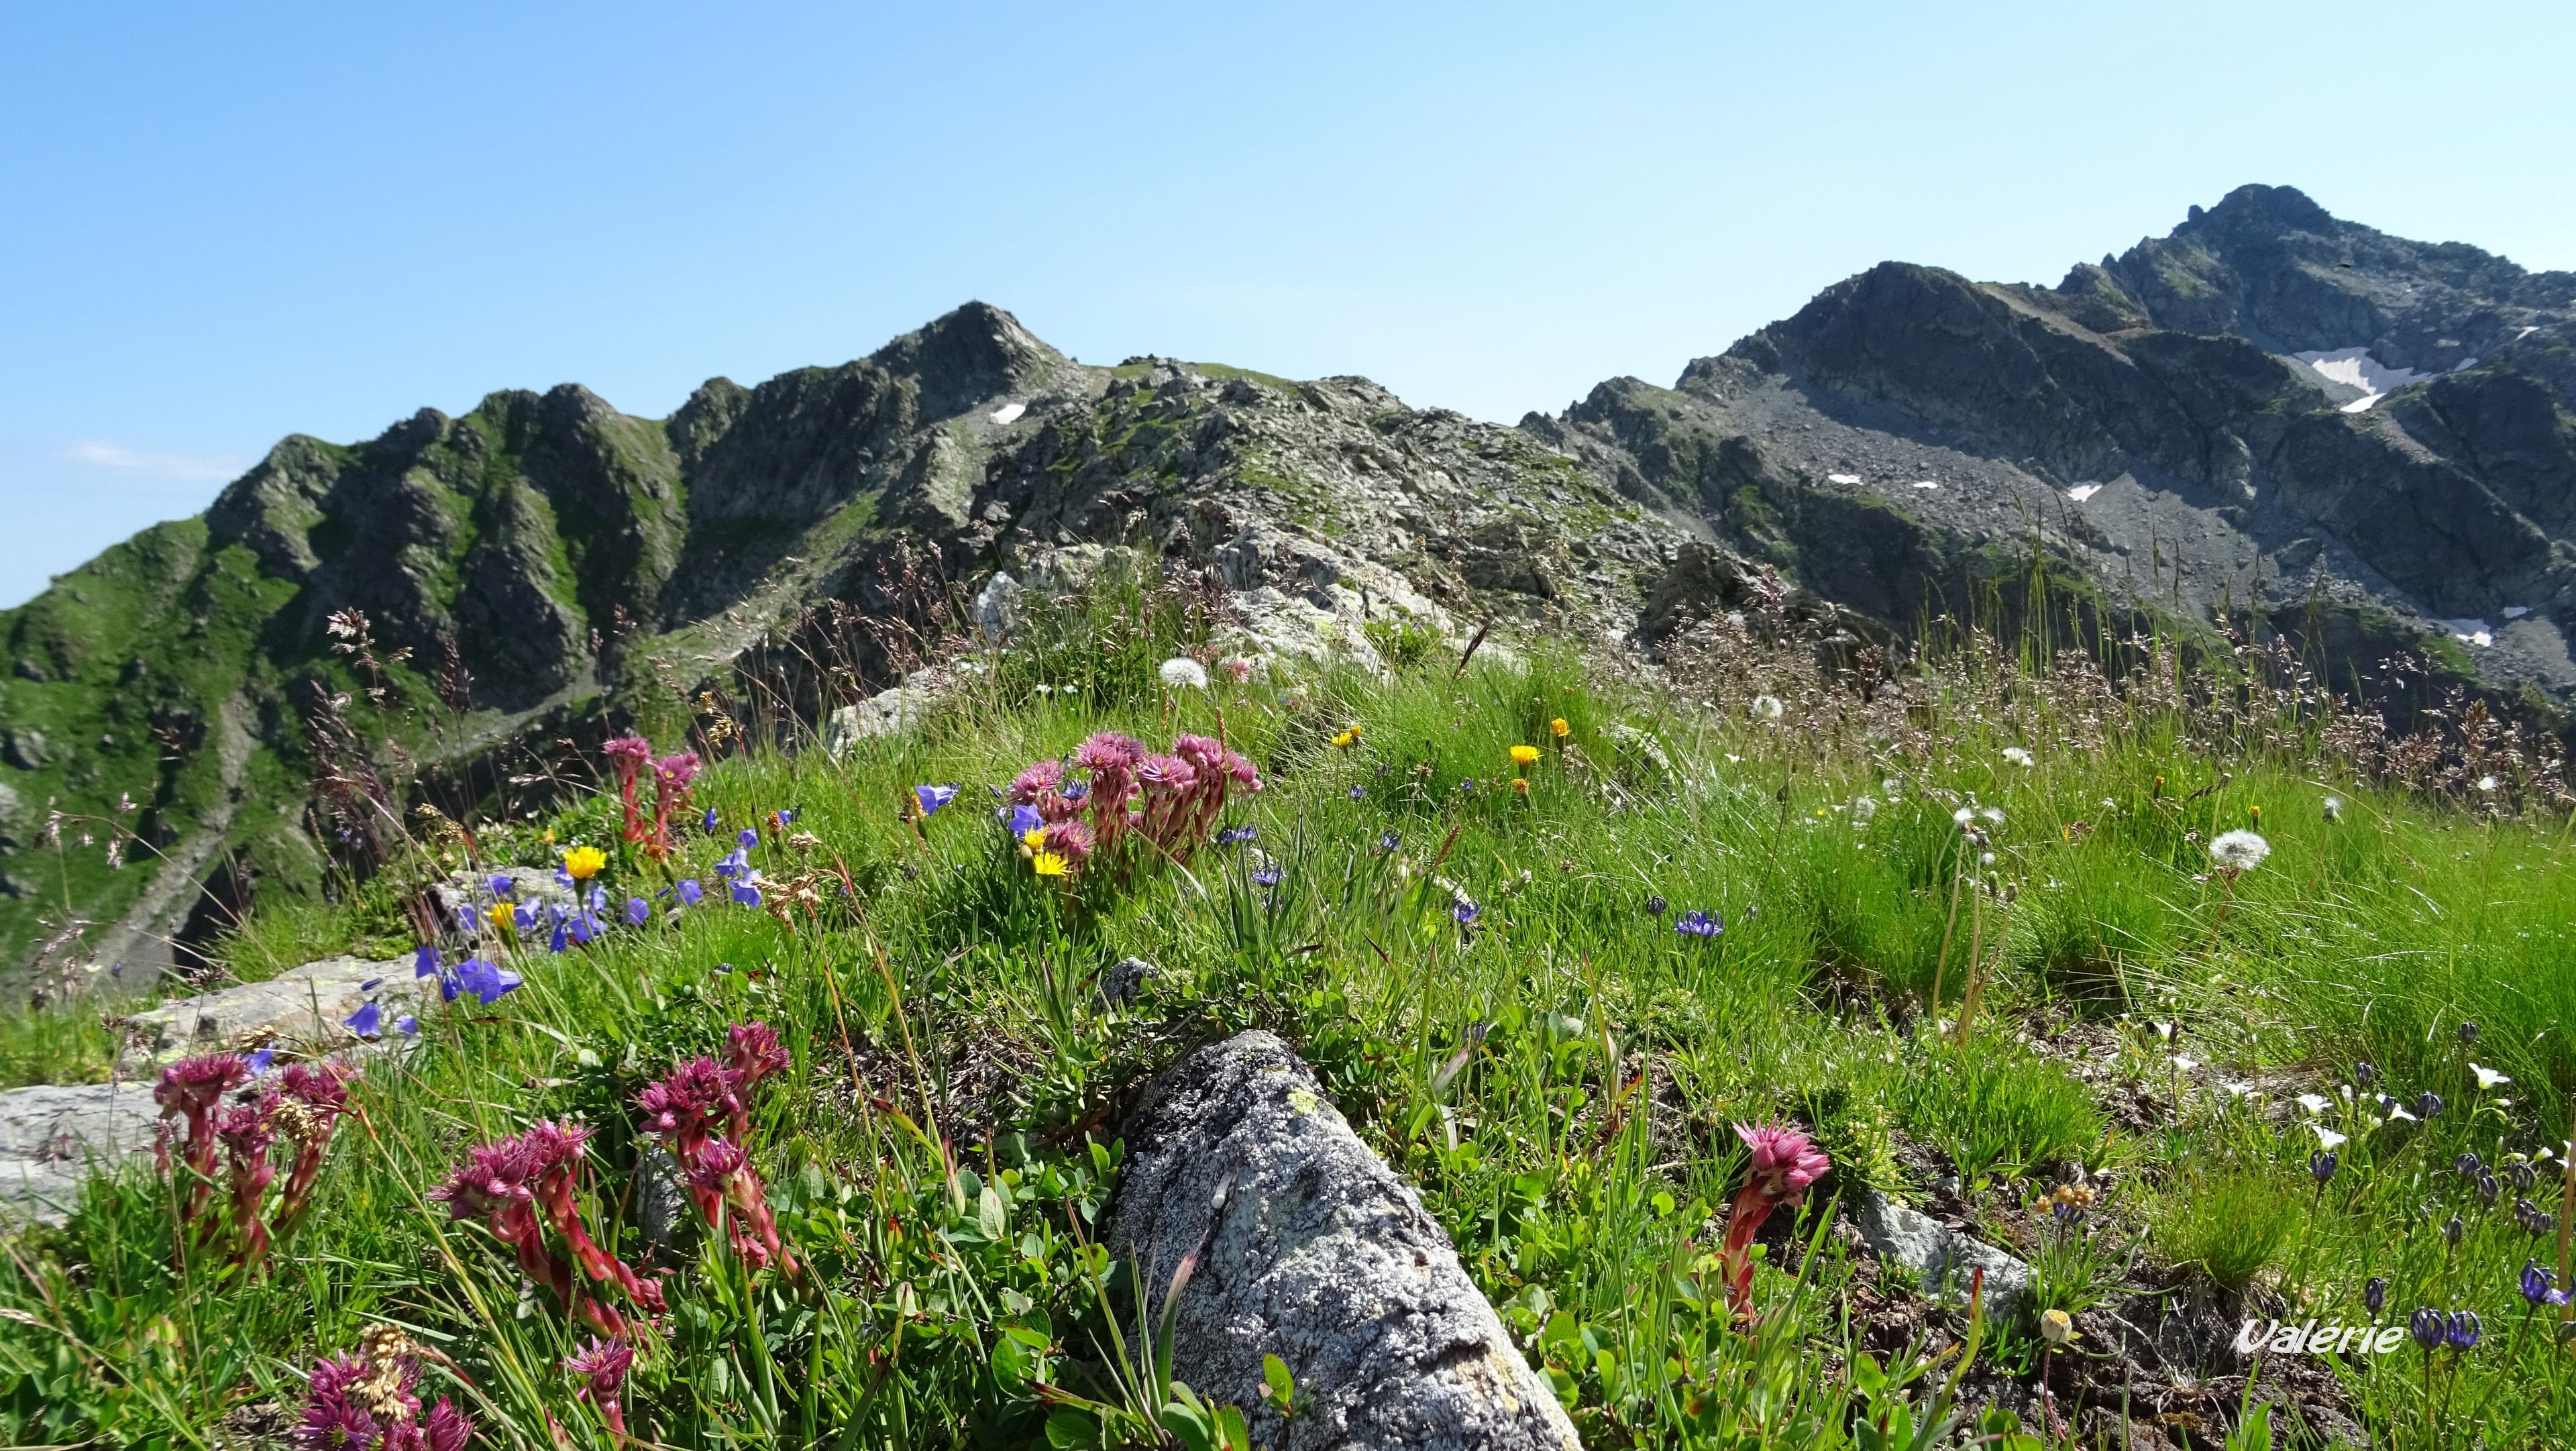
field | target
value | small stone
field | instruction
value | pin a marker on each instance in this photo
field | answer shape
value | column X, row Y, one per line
column 1124, row 979
column 1944, row 1260
column 26, row 749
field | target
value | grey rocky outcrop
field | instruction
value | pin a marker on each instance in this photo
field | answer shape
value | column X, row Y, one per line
column 1943, row 1260
column 1311, row 1249
column 52, row 1137
column 305, row 1007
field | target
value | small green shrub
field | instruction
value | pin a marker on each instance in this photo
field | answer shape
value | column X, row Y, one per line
column 1402, row 644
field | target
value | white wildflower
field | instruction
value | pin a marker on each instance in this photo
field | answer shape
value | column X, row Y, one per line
column 1180, row 672
column 2239, row 851
column 1963, row 815
column 1768, row 707
column 2017, row 756
column 2487, row 783
column 2315, row 1102
column 2185, row 1064
column 2488, row 1077
column 2327, row 1137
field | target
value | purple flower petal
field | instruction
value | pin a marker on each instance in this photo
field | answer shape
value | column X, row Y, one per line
column 424, row 963
column 363, row 1021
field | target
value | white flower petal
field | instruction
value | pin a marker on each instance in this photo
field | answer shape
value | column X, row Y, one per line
column 2327, row 1137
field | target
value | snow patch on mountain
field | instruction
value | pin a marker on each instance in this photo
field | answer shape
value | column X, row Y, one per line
column 2356, row 368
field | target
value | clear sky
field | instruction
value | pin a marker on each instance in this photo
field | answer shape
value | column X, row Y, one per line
column 223, row 224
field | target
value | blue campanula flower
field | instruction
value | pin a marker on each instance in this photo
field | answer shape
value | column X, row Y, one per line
column 745, row 894
column 486, row 980
column 424, row 963
column 637, row 911
column 448, row 987
column 2322, row 1166
column 525, row 917
column 2428, row 1327
column 501, row 885
column 599, row 899
column 690, row 893
column 258, row 1062
column 1074, row 790
column 562, row 932
column 407, row 1025
column 1696, row 923
column 931, row 798
column 2463, row 1330
column 1466, row 912
column 371, row 984
column 1023, row 820
column 1233, row 834
column 1266, row 877
column 564, row 880
column 748, row 837
column 1388, row 841
column 2535, row 1285
column 709, row 824
column 363, row 1021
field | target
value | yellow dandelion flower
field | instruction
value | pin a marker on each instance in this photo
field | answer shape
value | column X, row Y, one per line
column 502, row 917
column 1559, row 728
column 1034, row 836
column 583, row 862
column 1051, row 864
column 1348, row 738
column 1524, row 755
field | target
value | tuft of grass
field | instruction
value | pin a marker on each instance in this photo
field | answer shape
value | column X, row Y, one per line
column 2228, row 1221
column 2001, row 1112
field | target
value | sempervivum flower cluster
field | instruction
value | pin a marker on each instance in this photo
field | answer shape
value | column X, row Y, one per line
column 302, row 1108
column 701, row 1111
column 1124, row 794
column 629, row 759
column 368, row 1402
column 521, row 1188
column 1785, row 1161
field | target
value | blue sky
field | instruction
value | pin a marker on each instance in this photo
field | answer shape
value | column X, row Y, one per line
column 226, row 224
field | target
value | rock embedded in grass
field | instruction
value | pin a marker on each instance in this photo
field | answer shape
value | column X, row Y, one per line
column 1122, row 980
column 305, row 1007
column 1943, row 1260
column 1311, row 1249
column 51, row 1135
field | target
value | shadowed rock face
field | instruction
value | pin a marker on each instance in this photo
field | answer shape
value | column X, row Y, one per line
column 2269, row 410
column 1309, row 1248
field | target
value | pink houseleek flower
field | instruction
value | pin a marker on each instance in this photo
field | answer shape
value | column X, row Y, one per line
column 672, row 776
column 1040, row 780
column 602, row 1366
column 247, row 1132
column 723, row 1172
column 1785, row 1162
column 355, row 1404
column 192, row 1089
column 627, row 758
column 314, row 1100
column 522, row 1186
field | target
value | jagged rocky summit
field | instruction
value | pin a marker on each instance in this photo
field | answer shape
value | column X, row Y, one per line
column 2366, row 441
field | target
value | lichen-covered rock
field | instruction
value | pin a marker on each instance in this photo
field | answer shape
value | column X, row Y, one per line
column 53, row 1136
column 1311, row 1249
column 1943, row 1260
column 305, row 1007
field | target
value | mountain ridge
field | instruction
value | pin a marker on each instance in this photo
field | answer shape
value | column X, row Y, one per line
column 2269, row 412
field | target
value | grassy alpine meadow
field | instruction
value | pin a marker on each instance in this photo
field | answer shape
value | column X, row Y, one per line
column 2225, row 1009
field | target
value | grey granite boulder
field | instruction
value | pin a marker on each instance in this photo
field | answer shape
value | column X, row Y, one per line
column 305, row 1007
column 1942, row 1259
column 1311, row 1249
column 53, row 1136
